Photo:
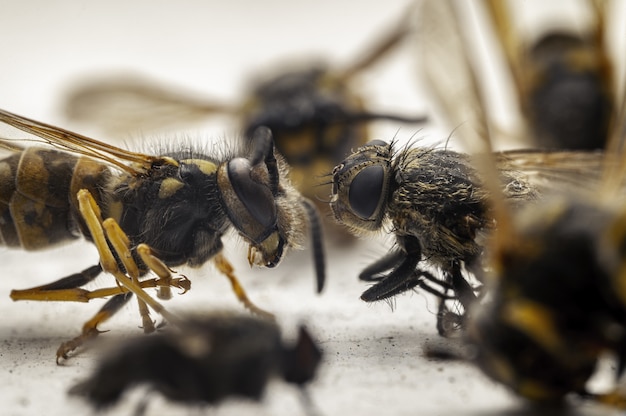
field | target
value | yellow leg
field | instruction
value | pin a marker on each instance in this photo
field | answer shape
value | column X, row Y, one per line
column 158, row 267
column 227, row 269
column 121, row 244
column 91, row 214
column 41, row 293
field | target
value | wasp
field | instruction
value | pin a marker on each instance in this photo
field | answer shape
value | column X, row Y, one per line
column 204, row 361
column 553, row 301
column 556, row 301
column 565, row 79
column 146, row 214
column 315, row 112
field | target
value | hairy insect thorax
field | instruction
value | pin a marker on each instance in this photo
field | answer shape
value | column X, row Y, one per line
column 176, row 210
column 437, row 198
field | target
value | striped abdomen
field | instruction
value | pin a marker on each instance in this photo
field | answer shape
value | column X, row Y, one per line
column 38, row 187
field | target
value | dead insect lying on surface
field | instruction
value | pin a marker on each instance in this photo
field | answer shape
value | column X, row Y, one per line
column 434, row 202
column 146, row 214
column 314, row 111
column 204, row 361
column 564, row 79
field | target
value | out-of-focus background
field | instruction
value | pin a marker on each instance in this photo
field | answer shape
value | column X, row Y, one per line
column 374, row 361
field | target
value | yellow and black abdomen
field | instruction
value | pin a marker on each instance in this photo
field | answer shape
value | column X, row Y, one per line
column 38, row 187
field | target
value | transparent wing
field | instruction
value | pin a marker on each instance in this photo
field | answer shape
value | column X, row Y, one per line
column 381, row 46
column 450, row 75
column 560, row 171
column 446, row 65
column 130, row 103
column 46, row 134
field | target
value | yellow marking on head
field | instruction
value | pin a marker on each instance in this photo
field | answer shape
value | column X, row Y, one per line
column 168, row 187
column 270, row 244
column 206, row 166
column 258, row 255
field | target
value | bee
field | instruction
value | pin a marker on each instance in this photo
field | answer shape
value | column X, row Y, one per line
column 203, row 361
column 565, row 81
column 314, row 111
column 146, row 214
column 553, row 302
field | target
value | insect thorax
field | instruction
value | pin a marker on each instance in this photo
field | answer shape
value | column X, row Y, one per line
column 436, row 198
column 176, row 210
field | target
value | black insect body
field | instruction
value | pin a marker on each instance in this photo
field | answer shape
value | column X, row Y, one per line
column 433, row 203
column 564, row 79
column 203, row 361
column 556, row 302
column 159, row 212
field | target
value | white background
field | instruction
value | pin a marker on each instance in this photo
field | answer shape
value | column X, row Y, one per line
column 374, row 361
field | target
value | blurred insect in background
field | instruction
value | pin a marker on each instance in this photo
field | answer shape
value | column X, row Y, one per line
column 204, row 361
column 554, row 297
column 565, row 81
column 159, row 212
column 432, row 199
column 314, row 111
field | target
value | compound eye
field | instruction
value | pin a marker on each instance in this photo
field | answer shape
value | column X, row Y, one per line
column 366, row 191
column 255, row 197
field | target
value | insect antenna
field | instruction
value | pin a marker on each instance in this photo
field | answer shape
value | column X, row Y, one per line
column 319, row 258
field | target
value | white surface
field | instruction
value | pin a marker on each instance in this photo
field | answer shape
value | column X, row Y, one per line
column 373, row 354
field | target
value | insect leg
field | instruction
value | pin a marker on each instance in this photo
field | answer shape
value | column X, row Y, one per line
column 399, row 279
column 90, row 328
column 65, row 289
column 121, row 244
column 227, row 269
column 463, row 290
column 68, row 288
column 165, row 281
column 91, row 214
column 447, row 320
column 374, row 271
column 419, row 278
column 315, row 227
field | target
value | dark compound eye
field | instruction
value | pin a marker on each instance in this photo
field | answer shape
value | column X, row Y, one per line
column 256, row 197
column 366, row 191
